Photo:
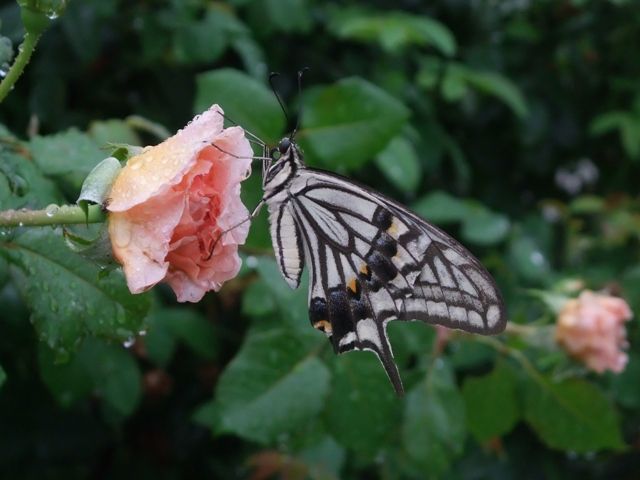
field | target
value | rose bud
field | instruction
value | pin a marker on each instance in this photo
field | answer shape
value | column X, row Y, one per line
column 591, row 329
column 170, row 204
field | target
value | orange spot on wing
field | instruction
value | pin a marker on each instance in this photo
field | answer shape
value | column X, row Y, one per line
column 323, row 325
column 364, row 270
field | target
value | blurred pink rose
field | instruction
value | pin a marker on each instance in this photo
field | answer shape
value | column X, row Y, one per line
column 443, row 334
column 170, row 203
column 591, row 328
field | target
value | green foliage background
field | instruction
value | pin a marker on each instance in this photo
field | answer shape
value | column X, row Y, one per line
column 513, row 125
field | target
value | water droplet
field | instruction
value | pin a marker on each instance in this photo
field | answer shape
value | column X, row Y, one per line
column 121, row 235
column 51, row 210
column 537, row 258
column 142, row 333
column 135, row 164
column 252, row 262
column 4, row 69
column 128, row 343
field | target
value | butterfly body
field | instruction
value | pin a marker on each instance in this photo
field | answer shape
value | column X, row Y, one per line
column 370, row 261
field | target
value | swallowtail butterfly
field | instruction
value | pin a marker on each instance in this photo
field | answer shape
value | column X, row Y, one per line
column 370, row 260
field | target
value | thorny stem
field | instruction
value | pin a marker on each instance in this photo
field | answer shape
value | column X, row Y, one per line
column 21, row 61
column 52, row 215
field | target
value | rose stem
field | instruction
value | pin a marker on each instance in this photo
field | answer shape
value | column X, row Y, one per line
column 52, row 215
column 25, row 51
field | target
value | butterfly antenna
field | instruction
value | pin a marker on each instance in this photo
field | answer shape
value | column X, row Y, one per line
column 300, row 74
column 273, row 75
column 255, row 138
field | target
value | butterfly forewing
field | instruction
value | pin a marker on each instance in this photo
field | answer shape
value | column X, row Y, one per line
column 371, row 261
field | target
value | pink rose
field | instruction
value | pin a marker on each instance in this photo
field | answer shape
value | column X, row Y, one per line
column 170, row 203
column 591, row 328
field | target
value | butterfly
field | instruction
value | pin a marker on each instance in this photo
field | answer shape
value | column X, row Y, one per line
column 370, row 260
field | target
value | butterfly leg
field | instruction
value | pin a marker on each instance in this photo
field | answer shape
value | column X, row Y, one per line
column 253, row 214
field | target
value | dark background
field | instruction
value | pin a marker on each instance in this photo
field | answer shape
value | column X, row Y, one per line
column 514, row 125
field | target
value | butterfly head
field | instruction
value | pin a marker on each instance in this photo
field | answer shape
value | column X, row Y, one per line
column 284, row 160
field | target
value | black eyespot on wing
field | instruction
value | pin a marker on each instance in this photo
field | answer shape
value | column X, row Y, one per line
column 386, row 244
column 360, row 309
column 382, row 218
column 339, row 314
column 366, row 276
column 384, row 269
column 318, row 310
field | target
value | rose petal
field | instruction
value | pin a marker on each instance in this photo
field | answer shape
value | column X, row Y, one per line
column 159, row 167
column 140, row 239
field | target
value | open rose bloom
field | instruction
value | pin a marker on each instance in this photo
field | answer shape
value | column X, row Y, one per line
column 170, row 203
column 591, row 328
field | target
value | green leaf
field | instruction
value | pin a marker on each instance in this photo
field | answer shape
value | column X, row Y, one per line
column 628, row 126
column 433, row 430
column 607, row 122
column 115, row 373
column 6, row 51
column 484, row 227
column 527, row 256
column 159, row 343
column 394, row 31
column 67, row 298
column 626, row 387
column 400, row 164
column 479, row 224
column 259, row 237
column 348, row 123
column 100, row 368
column 499, row 86
column 71, row 155
column 244, row 99
column 287, row 15
column 274, row 385
column 68, row 382
column 22, row 184
column 113, row 131
column 362, row 410
column 97, row 185
column 410, row 341
column 326, row 457
column 571, row 415
column 491, row 403
column 440, row 207
column 204, row 40
column 3, row 376
column 587, row 204
column 272, row 294
column 187, row 326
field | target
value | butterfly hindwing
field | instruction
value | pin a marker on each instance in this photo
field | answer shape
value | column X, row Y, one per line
column 287, row 243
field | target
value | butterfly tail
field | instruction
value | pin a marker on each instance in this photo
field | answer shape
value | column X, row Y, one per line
column 392, row 372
